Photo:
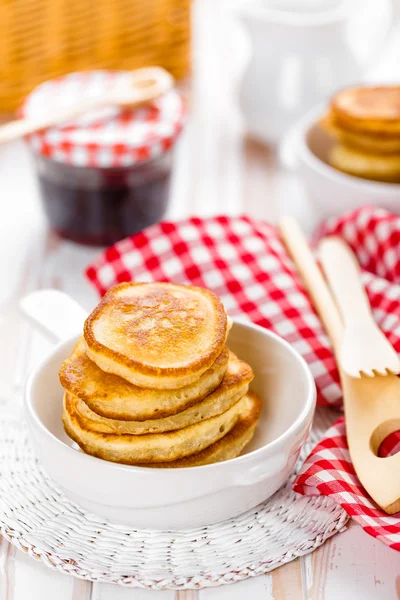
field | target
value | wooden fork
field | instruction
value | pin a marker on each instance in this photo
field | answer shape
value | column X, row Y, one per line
column 371, row 404
column 364, row 349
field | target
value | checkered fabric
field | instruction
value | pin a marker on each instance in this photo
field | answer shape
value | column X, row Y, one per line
column 246, row 264
column 106, row 137
column 328, row 471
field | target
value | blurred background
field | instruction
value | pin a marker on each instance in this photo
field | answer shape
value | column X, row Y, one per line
column 42, row 39
column 300, row 49
column 250, row 69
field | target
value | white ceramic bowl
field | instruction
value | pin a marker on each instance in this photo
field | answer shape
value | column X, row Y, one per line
column 175, row 498
column 331, row 191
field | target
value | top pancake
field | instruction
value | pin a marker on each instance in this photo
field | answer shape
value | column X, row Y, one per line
column 156, row 335
column 374, row 110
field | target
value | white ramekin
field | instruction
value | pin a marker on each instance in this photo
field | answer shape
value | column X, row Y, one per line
column 173, row 498
column 330, row 191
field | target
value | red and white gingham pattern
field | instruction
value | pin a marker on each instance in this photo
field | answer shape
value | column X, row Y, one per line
column 374, row 234
column 328, row 471
column 242, row 261
column 245, row 263
column 109, row 137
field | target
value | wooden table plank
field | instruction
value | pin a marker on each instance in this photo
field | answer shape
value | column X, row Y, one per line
column 103, row 591
column 33, row 580
column 187, row 595
column 352, row 565
column 81, row 590
column 255, row 587
column 7, row 569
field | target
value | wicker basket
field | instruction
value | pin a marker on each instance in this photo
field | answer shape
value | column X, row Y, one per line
column 41, row 39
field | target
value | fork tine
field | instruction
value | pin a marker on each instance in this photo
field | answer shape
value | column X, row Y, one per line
column 392, row 371
column 367, row 373
column 381, row 371
column 394, row 367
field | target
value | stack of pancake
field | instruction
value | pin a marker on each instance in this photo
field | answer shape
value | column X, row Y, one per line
column 366, row 124
column 151, row 381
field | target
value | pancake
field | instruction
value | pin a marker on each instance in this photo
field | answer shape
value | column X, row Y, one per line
column 234, row 386
column 368, row 166
column 152, row 447
column 156, row 335
column 375, row 143
column 368, row 109
column 115, row 398
column 230, row 446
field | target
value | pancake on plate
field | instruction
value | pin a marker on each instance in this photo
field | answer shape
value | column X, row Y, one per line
column 152, row 447
column 230, row 446
column 368, row 166
column 115, row 398
column 374, row 143
column 234, row 386
column 156, row 335
column 368, row 109
column 366, row 124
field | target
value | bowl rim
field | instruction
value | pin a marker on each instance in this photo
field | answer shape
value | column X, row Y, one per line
column 276, row 444
column 302, row 149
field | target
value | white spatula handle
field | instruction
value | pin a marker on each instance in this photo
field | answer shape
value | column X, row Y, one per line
column 54, row 313
column 322, row 299
column 342, row 271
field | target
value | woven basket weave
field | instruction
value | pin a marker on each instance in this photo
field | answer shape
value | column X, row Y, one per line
column 38, row 519
column 42, row 39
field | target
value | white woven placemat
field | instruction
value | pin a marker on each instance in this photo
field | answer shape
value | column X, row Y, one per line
column 36, row 517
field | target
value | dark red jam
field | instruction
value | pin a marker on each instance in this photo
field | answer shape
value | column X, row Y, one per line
column 96, row 206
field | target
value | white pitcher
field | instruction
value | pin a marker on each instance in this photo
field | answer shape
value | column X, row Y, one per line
column 302, row 52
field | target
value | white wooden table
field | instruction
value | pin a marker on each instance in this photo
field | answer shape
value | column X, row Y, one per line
column 218, row 170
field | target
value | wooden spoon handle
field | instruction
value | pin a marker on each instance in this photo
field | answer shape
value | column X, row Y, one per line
column 343, row 274
column 21, row 127
column 145, row 85
column 305, row 262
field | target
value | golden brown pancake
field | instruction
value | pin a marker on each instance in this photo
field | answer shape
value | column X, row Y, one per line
column 230, row 446
column 115, row 398
column 374, row 143
column 156, row 335
column 368, row 109
column 368, row 166
column 152, row 447
column 234, row 386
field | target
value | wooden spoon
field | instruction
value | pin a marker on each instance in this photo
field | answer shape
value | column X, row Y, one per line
column 371, row 405
column 365, row 350
column 145, row 85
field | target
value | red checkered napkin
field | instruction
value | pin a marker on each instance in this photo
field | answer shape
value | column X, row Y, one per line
column 246, row 264
column 375, row 237
column 328, row 471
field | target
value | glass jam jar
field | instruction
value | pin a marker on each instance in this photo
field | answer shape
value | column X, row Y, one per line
column 105, row 176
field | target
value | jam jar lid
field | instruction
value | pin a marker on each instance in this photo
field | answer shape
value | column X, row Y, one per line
column 105, row 137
